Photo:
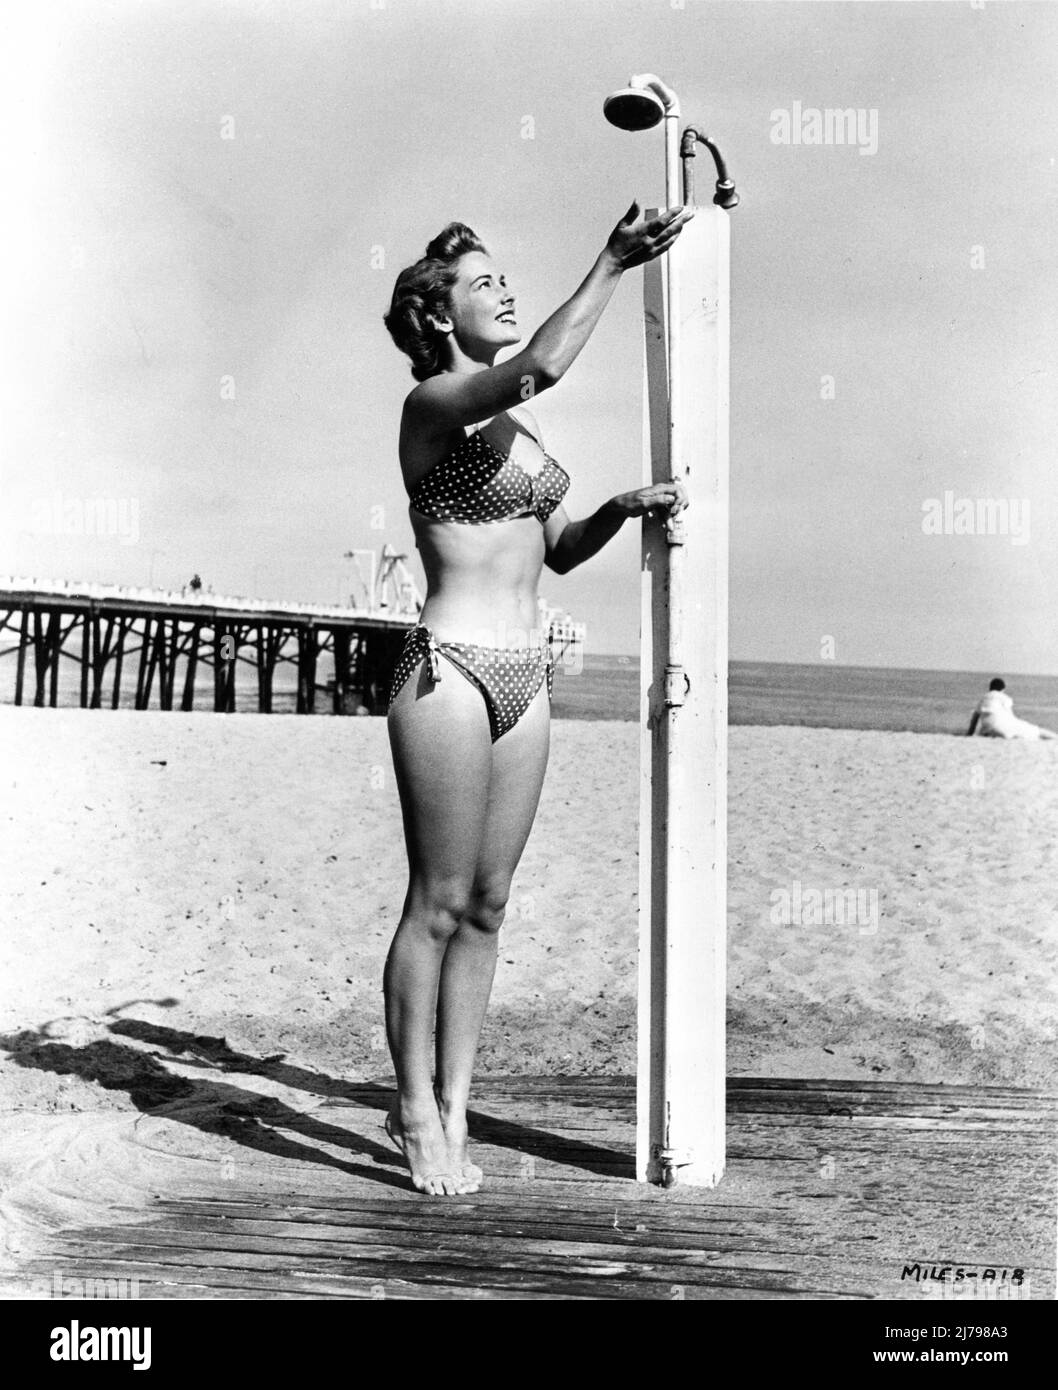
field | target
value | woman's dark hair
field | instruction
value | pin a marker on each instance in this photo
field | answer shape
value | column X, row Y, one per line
column 423, row 289
column 997, row 684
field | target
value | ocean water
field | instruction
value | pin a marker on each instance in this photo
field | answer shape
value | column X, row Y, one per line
column 818, row 696
column 607, row 687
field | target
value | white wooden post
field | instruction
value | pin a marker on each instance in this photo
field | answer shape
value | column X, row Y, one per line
column 683, row 747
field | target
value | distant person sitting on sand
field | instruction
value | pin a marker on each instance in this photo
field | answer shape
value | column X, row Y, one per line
column 994, row 717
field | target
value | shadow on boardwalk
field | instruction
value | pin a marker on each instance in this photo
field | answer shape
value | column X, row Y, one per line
column 245, row 1116
column 833, row 1190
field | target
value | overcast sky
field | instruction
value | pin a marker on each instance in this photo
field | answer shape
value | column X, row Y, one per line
column 149, row 259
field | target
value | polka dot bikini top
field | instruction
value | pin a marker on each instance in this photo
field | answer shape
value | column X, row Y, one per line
column 475, row 482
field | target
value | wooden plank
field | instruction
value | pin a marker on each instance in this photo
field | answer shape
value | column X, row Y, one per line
column 901, row 1089
column 503, row 1217
column 159, row 1281
column 187, row 700
column 945, row 1121
column 56, row 636
column 23, row 647
column 40, row 660
column 693, row 1247
column 119, row 658
column 86, row 657
column 615, row 1119
column 632, row 1249
column 852, row 1271
column 156, row 660
column 219, row 631
column 263, row 691
column 246, row 1282
column 341, row 641
column 308, row 651
column 100, row 657
column 967, row 1182
column 141, row 676
column 731, row 1237
column 587, row 1091
column 170, row 651
column 815, row 1258
column 479, row 1269
column 507, row 1204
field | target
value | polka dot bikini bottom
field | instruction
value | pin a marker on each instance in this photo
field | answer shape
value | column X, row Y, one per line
column 508, row 678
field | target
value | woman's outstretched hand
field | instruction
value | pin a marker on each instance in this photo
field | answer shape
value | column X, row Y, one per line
column 667, row 497
column 635, row 239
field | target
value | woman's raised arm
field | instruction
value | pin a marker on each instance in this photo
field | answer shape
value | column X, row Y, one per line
column 449, row 399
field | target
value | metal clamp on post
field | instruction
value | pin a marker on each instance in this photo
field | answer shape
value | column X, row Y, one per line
column 670, row 1161
column 677, row 685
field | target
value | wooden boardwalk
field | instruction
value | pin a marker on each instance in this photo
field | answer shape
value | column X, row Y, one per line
column 832, row 1189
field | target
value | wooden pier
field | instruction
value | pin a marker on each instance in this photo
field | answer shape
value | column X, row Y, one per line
column 165, row 641
column 162, row 642
column 834, row 1190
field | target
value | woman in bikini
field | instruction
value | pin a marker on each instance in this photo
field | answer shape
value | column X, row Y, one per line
column 470, row 696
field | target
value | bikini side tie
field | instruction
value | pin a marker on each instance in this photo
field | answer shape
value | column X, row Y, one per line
column 508, row 679
column 434, row 654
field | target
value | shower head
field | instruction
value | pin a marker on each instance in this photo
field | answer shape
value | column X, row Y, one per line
column 647, row 102
column 633, row 108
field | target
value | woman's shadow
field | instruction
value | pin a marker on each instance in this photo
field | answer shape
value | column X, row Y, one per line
column 218, row 1107
column 211, row 1105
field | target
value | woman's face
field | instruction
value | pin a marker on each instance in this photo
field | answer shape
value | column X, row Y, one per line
column 482, row 307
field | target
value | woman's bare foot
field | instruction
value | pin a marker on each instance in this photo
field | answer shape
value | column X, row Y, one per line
column 454, row 1123
column 422, row 1140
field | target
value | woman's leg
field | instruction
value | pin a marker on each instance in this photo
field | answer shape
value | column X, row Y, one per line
column 442, row 755
column 519, row 761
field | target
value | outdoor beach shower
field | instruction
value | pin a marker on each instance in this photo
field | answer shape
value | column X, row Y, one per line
column 680, row 1115
column 642, row 105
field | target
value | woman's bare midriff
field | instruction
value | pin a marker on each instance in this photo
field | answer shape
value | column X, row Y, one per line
column 481, row 580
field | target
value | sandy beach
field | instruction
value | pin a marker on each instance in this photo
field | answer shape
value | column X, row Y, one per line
column 193, row 901
column 241, row 878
